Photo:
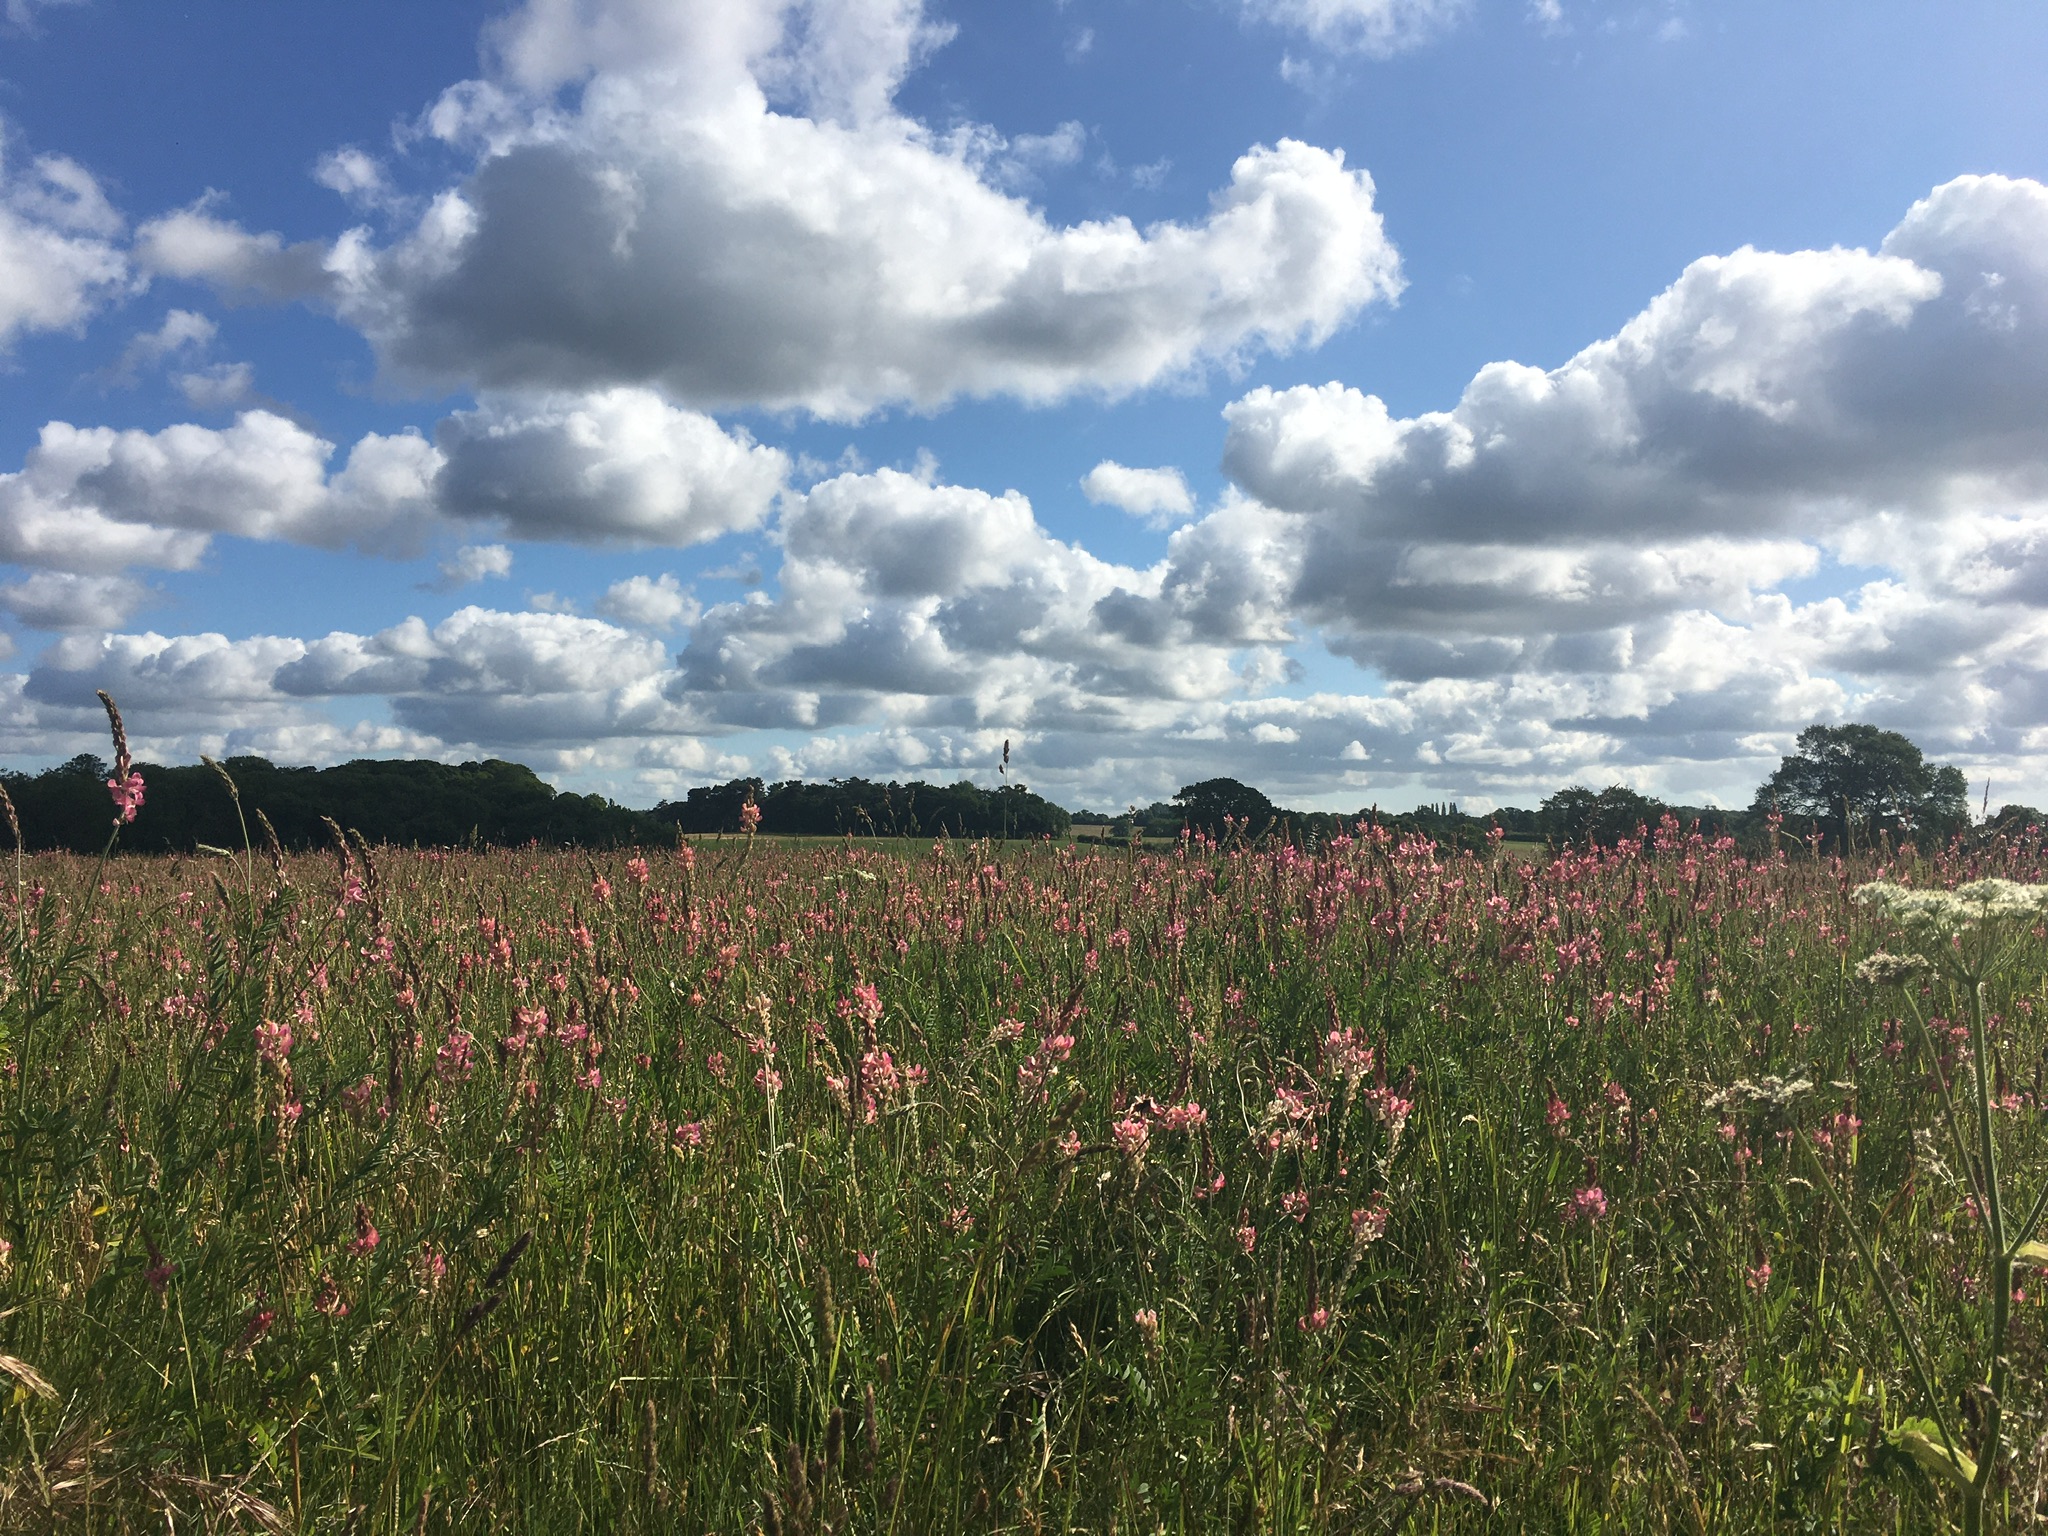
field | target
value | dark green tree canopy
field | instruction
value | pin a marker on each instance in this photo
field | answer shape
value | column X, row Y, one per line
column 1578, row 815
column 1852, row 782
column 1203, row 806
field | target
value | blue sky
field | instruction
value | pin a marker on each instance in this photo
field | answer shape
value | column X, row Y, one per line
column 654, row 392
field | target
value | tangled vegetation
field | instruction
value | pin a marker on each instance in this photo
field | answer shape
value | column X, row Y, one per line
column 962, row 1186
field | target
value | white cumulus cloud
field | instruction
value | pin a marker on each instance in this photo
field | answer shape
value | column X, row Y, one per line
column 1157, row 496
column 650, row 602
column 723, row 202
column 60, row 262
column 618, row 465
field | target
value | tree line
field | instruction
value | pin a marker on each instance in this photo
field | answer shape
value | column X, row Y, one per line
column 494, row 803
column 1844, row 787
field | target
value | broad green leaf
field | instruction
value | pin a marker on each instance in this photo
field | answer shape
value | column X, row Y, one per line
column 1921, row 1439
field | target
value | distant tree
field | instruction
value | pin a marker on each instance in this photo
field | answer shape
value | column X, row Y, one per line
column 863, row 808
column 1578, row 815
column 1851, row 782
column 1204, row 806
column 2017, row 821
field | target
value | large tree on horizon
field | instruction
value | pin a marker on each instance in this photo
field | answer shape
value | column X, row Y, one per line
column 1855, row 781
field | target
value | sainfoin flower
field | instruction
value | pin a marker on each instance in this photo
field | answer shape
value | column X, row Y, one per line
column 1183, row 1117
column 365, row 1240
column 1131, row 1134
column 273, row 1042
column 1586, row 1205
column 454, row 1061
column 127, row 795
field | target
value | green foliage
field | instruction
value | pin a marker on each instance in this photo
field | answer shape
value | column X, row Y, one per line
column 1015, row 1188
column 866, row 809
column 1852, row 783
column 402, row 802
column 1214, row 806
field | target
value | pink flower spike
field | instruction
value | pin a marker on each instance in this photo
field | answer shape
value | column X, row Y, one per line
column 127, row 795
column 1586, row 1205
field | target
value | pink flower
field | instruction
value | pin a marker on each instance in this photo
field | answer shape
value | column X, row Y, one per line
column 689, row 1135
column 1759, row 1276
column 127, row 795
column 1346, row 1055
column 257, row 1326
column 1247, row 1237
column 1393, row 1110
column 1315, row 1322
column 1586, row 1205
column 638, row 871
column 273, row 1042
column 328, row 1299
column 1132, row 1134
column 1558, row 1114
column 1184, row 1117
column 365, row 1240
column 159, row 1273
column 433, row 1268
column 601, row 888
column 1368, row 1225
column 1295, row 1203
column 750, row 818
column 456, row 1059
column 867, row 1003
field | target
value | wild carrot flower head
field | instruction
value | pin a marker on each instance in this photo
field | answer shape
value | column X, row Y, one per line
column 1943, row 914
column 1885, row 970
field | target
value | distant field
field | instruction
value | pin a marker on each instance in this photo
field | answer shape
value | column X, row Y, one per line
column 883, row 1187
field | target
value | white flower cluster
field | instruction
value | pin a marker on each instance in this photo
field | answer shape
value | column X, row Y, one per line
column 1938, row 914
column 1776, row 1092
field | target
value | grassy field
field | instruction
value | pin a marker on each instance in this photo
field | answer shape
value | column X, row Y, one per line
column 951, row 1187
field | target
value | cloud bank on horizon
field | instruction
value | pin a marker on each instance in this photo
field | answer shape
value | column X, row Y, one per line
column 668, row 239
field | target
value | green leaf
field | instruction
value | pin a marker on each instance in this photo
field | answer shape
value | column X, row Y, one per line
column 1921, row 1439
column 2034, row 1253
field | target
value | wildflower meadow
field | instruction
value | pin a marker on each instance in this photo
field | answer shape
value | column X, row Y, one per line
column 875, row 1186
